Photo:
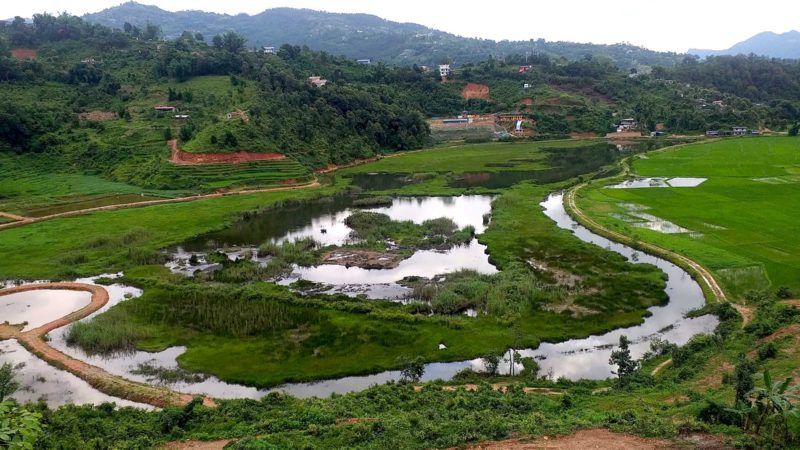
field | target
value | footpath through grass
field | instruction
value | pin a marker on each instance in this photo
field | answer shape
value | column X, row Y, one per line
column 742, row 222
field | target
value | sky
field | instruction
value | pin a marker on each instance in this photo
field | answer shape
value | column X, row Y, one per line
column 675, row 25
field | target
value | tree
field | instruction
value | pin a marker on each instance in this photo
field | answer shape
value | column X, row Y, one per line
column 622, row 358
column 199, row 37
column 743, row 378
column 491, row 362
column 412, row 369
column 7, row 383
column 794, row 130
column 771, row 407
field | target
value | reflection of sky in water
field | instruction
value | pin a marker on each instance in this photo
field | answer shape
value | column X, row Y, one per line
column 41, row 306
column 425, row 263
column 574, row 359
column 686, row 182
column 330, row 229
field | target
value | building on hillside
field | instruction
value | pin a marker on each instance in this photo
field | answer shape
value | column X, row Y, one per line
column 627, row 125
column 269, row 50
column 718, row 103
column 524, row 69
column 238, row 114
column 317, row 81
column 739, row 131
column 526, row 86
column 712, row 133
column 164, row 108
column 444, row 70
column 364, row 62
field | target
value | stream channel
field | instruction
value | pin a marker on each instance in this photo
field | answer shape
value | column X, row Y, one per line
column 585, row 358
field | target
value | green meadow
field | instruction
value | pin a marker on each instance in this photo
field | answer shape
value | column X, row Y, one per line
column 742, row 221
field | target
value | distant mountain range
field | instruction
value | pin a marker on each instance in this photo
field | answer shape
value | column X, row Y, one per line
column 364, row 36
column 785, row 45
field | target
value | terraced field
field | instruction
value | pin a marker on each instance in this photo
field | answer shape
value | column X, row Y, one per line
column 258, row 173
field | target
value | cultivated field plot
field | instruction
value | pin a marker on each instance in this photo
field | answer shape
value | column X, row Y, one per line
column 741, row 223
column 252, row 174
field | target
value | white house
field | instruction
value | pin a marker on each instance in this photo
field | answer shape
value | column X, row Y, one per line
column 365, row 62
column 739, row 131
column 317, row 81
column 269, row 50
column 444, row 70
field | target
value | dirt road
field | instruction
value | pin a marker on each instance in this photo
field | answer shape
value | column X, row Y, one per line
column 80, row 212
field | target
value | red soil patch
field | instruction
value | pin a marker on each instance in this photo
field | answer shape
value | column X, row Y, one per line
column 526, row 101
column 24, row 53
column 475, row 90
column 242, row 156
column 197, row 445
column 599, row 439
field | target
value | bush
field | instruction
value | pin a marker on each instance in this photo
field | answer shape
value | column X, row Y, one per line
column 767, row 351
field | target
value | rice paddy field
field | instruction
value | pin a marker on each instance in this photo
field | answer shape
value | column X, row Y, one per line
column 741, row 222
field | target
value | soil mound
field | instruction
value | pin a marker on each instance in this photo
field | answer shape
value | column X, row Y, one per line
column 24, row 53
column 242, row 156
column 475, row 90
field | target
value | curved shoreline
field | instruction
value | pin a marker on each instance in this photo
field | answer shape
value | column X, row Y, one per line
column 113, row 385
column 691, row 266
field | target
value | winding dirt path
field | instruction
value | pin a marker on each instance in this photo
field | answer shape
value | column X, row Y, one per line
column 661, row 367
column 107, row 383
column 80, row 212
column 584, row 219
column 13, row 216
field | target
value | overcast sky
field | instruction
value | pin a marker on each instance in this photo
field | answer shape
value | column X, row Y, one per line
column 667, row 25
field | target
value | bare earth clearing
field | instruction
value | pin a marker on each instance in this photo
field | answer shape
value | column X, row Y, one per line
column 601, row 439
column 179, row 156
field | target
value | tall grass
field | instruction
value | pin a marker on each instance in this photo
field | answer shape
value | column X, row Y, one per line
column 111, row 332
column 512, row 292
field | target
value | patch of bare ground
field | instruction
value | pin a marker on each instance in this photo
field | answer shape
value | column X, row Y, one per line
column 714, row 380
column 24, row 53
column 365, row 259
column 179, row 156
column 197, row 445
column 12, row 216
column 475, row 91
column 795, row 303
column 745, row 311
column 596, row 439
column 97, row 116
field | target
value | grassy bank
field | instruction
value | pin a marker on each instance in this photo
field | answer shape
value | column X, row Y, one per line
column 740, row 220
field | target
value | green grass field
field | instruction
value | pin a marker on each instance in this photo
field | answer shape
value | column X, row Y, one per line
column 743, row 219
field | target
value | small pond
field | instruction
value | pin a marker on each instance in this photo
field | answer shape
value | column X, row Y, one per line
column 39, row 307
column 324, row 221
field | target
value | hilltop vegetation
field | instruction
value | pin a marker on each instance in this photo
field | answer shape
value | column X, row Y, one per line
column 363, row 36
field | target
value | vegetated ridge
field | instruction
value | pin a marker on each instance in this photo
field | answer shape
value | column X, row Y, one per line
column 768, row 43
column 362, row 36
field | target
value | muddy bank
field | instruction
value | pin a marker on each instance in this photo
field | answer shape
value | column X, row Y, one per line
column 365, row 259
column 181, row 157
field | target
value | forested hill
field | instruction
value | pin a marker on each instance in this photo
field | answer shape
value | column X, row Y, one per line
column 784, row 45
column 363, row 36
